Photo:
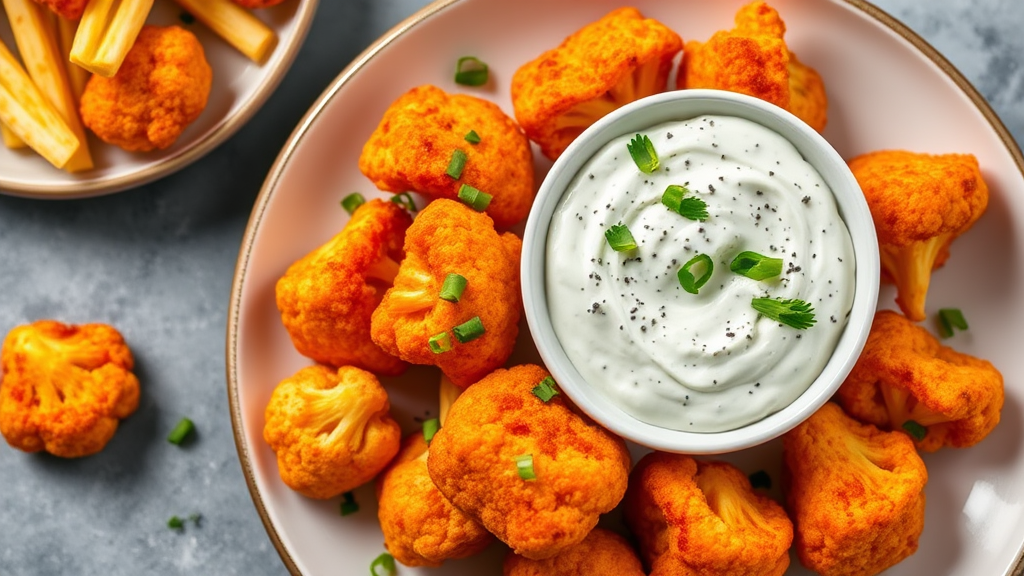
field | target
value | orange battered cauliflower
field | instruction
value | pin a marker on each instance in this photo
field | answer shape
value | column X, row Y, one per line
column 920, row 203
column 753, row 59
column 449, row 237
column 412, row 148
column 601, row 553
column 580, row 469
column 160, row 89
column 855, row 493
column 65, row 388
column 326, row 298
column 905, row 375
column 69, row 9
column 421, row 527
column 618, row 59
column 331, row 430
column 702, row 518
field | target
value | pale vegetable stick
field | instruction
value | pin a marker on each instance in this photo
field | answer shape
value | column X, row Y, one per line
column 35, row 32
column 11, row 139
column 234, row 24
column 106, row 32
column 76, row 74
column 29, row 115
column 449, row 392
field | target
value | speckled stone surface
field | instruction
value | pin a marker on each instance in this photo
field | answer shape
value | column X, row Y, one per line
column 157, row 262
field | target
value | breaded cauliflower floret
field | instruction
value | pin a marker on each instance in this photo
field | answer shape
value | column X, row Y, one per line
column 65, row 388
column 160, row 89
column 332, row 431
column 905, row 375
column 702, row 518
column 412, row 148
column 474, row 460
column 920, row 203
column 421, row 527
column 601, row 553
column 448, row 237
column 326, row 298
column 606, row 64
column 69, row 9
column 855, row 493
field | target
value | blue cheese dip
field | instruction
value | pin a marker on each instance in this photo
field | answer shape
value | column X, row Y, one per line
column 705, row 362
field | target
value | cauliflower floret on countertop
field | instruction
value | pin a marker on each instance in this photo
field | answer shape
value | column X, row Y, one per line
column 327, row 298
column 601, row 553
column 70, row 9
column 855, row 494
column 497, row 434
column 331, row 430
column 606, row 64
column 904, row 375
column 160, row 89
column 702, row 518
column 65, row 388
column 448, row 237
column 412, row 149
column 420, row 526
column 920, row 203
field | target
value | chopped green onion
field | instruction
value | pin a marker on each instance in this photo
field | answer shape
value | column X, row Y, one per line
column 916, row 431
column 439, row 343
column 175, row 523
column 405, row 201
column 691, row 283
column 181, row 431
column 755, row 266
column 950, row 318
column 456, row 164
column 470, row 71
column 348, row 504
column 620, row 238
column 472, row 137
column 642, row 151
column 546, row 390
column 352, row 201
column 689, row 207
column 760, row 479
column 430, row 427
column 474, row 198
column 794, row 313
column 524, row 465
column 469, row 330
column 453, row 287
column 386, row 565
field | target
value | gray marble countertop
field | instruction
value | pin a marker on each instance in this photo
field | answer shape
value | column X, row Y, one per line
column 157, row 263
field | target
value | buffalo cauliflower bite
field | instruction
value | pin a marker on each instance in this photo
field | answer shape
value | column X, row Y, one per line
column 703, row 518
column 65, row 388
column 855, row 493
column 448, row 237
column 160, row 89
column 326, row 298
column 69, row 9
column 413, row 146
column 330, row 429
column 421, row 527
column 905, row 375
column 497, row 433
column 606, row 64
column 601, row 553
column 920, row 203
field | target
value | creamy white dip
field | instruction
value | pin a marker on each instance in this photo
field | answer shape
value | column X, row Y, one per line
column 703, row 362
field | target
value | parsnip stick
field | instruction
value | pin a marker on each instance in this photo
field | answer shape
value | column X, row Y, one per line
column 28, row 114
column 106, row 32
column 76, row 74
column 236, row 25
column 35, row 32
column 11, row 139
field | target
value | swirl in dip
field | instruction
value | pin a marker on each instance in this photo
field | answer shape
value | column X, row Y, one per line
column 705, row 362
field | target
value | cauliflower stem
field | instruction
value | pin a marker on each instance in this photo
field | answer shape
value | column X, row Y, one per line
column 735, row 510
column 638, row 84
column 910, row 268
column 340, row 415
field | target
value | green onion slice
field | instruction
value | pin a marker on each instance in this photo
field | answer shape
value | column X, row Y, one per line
column 439, row 343
column 642, row 151
column 472, row 137
column 181, row 431
column 620, row 238
column 474, row 198
column 470, row 71
column 755, row 266
column 546, row 390
column 430, row 427
column 689, row 207
column 175, row 523
column 456, row 164
column 524, row 465
column 405, row 201
column 916, row 431
column 760, row 479
column 453, row 287
column 794, row 313
column 691, row 283
column 348, row 504
column 469, row 330
column 950, row 318
column 352, row 201
column 383, row 565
